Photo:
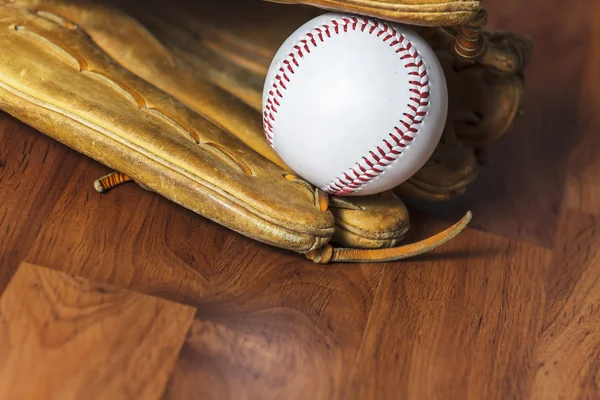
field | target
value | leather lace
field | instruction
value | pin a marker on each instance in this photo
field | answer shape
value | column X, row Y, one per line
column 330, row 254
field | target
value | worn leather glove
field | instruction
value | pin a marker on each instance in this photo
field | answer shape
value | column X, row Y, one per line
column 169, row 95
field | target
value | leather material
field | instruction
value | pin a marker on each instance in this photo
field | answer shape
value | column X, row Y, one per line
column 414, row 12
column 84, row 99
column 370, row 222
column 446, row 175
column 169, row 95
column 484, row 102
column 147, row 60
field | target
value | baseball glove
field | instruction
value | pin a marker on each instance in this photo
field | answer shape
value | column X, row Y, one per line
column 169, row 95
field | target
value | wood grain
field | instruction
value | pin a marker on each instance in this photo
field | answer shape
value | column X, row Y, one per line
column 583, row 185
column 33, row 173
column 283, row 306
column 68, row 338
column 462, row 328
column 567, row 355
column 290, row 326
column 507, row 313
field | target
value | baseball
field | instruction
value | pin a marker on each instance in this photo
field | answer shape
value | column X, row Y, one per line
column 354, row 105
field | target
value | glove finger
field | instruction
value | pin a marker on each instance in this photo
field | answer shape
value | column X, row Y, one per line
column 446, row 175
column 483, row 103
column 370, row 222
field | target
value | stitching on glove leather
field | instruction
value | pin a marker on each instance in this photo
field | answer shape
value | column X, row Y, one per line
column 374, row 163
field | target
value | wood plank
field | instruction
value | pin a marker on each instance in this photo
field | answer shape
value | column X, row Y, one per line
column 459, row 323
column 260, row 297
column 34, row 170
column 567, row 357
column 582, row 182
column 291, row 332
column 483, row 317
column 68, row 338
column 132, row 238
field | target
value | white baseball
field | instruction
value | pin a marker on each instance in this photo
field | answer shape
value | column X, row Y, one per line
column 354, row 105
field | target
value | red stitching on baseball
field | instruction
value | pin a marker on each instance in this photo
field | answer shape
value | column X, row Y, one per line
column 387, row 153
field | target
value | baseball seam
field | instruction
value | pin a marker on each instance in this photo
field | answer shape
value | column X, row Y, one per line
column 379, row 158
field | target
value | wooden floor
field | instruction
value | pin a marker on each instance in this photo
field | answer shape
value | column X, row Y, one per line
column 510, row 309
